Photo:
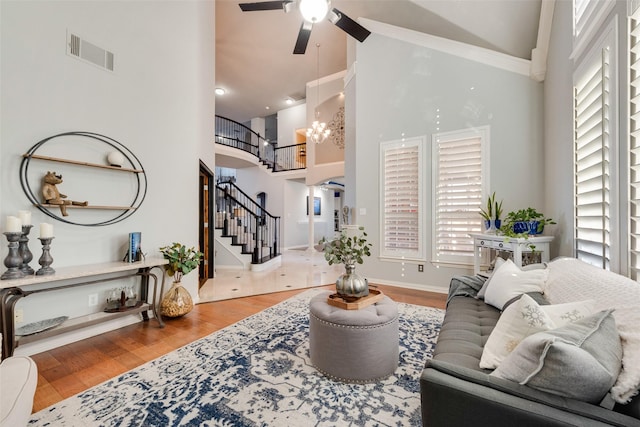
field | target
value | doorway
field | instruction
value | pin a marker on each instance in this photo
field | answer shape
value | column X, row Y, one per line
column 206, row 183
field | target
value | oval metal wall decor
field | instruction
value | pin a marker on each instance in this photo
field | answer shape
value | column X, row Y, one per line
column 131, row 165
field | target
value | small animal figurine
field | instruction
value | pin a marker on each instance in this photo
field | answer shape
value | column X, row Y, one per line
column 52, row 196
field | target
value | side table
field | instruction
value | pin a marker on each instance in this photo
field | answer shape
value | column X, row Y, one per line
column 517, row 246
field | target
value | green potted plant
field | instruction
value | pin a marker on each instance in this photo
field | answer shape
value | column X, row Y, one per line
column 492, row 214
column 182, row 260
column 348, row 250
column 524, row 222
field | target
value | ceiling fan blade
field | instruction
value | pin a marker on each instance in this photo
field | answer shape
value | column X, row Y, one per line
column 303, row 38
column 349, row 26
column 265, row 5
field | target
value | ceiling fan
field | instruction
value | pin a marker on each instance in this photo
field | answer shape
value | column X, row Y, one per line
column 312, row 11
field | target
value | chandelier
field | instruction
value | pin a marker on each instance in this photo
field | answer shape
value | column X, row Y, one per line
column 318, row 131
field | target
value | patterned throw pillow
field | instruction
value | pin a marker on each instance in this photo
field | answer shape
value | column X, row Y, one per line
column 526, row 317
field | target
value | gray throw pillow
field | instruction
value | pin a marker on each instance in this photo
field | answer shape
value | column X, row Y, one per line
column 580, row 360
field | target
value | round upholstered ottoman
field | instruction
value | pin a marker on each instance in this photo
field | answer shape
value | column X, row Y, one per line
column 353, row 345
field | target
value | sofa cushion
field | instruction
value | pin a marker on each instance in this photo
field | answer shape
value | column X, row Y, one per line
column 526, row 317
column 467, row 324
column 580, row 360
column 509, row 281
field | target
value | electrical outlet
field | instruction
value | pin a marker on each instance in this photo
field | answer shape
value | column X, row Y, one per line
column 420, row 268
column 93, row 300
column 18, row 316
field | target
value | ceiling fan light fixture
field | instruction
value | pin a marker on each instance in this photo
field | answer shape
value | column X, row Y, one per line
column 314, row 10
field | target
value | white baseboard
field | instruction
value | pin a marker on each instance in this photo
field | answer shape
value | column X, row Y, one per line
column 429, row 288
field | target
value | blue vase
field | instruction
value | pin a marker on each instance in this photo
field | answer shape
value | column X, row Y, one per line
column 521, row 227
column 491, row 226
column 535, row 228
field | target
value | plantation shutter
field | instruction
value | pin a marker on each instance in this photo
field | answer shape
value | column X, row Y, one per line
column 592, row 92
column 634, row 145
column 458, row 181
column 401, row 186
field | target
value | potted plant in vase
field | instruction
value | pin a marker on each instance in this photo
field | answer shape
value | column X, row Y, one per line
column 492, row 214
column 524, row 222
column 182, row 260
column 348, row 250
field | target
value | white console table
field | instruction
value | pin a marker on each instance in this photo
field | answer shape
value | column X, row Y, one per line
column 517, row 246
column 67, row 277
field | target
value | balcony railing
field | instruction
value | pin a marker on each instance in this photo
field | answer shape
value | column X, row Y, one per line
column 279, row 159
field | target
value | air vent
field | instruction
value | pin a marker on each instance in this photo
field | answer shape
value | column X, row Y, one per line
column 89, row 52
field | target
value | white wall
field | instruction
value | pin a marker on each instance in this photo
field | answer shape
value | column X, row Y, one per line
column 319, row 169
column 296, row 220
column 289, row 120
column 558, row 130
column 408, row 89
column 158, row 102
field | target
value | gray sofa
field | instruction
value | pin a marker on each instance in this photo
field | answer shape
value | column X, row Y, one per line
column 455, row 391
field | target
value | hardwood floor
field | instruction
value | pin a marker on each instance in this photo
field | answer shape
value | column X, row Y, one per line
column 67, row 370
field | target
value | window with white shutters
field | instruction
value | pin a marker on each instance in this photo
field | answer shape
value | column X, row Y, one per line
column 594, row 153
column 402, row 183
column 459, row 180
column 634, row 145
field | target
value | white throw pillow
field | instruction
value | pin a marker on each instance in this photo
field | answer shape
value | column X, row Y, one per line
column 526, row 317
column 496, row 266
column 509, row 281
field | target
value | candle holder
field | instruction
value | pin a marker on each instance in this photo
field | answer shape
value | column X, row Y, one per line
column 45, row 259
column 13, row 261
column 23, row 250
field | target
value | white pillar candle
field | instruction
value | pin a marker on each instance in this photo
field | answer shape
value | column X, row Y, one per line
column 13, row 225
column 46, row 230
column 25, row 217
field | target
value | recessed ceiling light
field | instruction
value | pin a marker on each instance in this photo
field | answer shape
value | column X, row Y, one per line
column 266, row 108
column 289, row 101
column 220, row 91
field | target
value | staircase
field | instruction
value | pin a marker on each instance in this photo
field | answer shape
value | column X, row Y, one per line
column 246, row 224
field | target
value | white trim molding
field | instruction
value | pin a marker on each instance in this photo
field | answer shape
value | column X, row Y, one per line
column 462, row 50
column 541, row 51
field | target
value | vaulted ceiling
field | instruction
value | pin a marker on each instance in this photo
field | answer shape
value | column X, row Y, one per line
column 256, row 66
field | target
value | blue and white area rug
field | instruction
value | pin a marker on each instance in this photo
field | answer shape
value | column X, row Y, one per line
column 256, row 372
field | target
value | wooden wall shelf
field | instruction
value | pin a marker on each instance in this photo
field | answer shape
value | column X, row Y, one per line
column 79, row 163
column 115, row 208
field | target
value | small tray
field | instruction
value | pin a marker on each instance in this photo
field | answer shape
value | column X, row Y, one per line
column 42, row 325
column 373, row 297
